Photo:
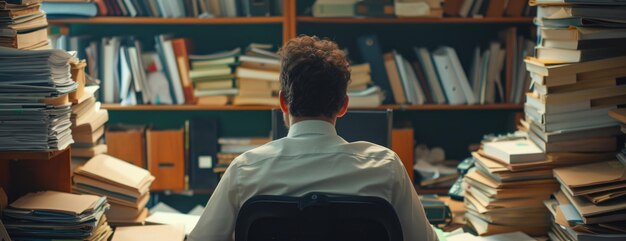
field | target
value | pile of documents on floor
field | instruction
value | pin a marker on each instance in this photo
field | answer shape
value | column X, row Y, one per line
column 34, row 88
column 59, row 216
column 125, row 185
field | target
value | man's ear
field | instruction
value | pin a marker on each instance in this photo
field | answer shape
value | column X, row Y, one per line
column 283, row 102
column 344, row 107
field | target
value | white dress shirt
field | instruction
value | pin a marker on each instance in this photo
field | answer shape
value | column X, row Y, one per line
column 313, row 158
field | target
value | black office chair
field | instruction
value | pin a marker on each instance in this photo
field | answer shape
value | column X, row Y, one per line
column 317, row 217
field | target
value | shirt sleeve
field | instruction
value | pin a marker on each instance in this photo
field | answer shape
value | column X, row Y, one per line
column 415, row 226
column 217, row 222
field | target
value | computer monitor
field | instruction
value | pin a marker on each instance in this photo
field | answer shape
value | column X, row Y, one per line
column 357, row 125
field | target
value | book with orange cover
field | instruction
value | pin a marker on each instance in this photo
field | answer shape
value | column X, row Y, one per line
column 181, row 52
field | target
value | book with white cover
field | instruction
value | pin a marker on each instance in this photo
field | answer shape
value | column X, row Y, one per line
column 516, row 151
column 448, row 77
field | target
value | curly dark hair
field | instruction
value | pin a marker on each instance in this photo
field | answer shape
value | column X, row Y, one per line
column 314, row 76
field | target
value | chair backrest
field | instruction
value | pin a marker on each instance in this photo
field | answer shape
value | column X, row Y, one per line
column 317, row 217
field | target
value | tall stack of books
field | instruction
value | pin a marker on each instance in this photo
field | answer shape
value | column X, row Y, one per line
column 23, row 25
column 87, row 118
column 232, row 147
column 360, row 89
column 54, row 215
column 258, row 76
column 125, row 185
column 505, row 193
column 213, row 78
column 35, row 87
column 591, row 203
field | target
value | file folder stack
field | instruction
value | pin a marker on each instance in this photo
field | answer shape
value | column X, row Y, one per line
column 125, row 185
column 34, row 106
column 56, row 215
column 23, row 25
column 591, row 203
column 87, row 124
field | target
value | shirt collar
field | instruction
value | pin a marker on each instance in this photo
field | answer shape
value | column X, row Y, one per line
column 316, row 127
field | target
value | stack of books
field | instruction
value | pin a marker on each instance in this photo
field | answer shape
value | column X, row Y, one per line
column 87, row 118
column 125, row 185
column 360, row 89
column 591, row 203
column 54, row 215
column 505, row 193
column 232, row 147
column 23, row 25
column 258, row 76
column 36, row 108
column 213, row 78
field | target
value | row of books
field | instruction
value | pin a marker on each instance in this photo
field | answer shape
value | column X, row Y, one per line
column 231, row 147
column 438, row 76
column 421, row 8
column 163, row 8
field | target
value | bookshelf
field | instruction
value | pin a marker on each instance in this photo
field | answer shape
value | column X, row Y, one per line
column 22, row 172
column 452, row 127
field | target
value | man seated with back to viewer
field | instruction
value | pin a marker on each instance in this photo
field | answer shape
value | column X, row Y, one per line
column 313, row 158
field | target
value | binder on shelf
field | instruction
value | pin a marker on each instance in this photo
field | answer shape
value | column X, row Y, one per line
column 202, row 153
column 127, row 142
column 166, row 159
column 371, row 53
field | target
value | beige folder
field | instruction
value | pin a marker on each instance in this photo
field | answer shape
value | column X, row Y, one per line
column 117, row 172
column 53, row 201
column 150, row 232
column 591, row 174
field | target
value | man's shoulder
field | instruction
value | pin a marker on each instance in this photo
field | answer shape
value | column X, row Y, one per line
column 369, row 149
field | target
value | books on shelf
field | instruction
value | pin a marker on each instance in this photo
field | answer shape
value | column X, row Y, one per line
column 42, row 215
column 258, row 76
column 231, row 147
column 213, row 76
column 162, row 9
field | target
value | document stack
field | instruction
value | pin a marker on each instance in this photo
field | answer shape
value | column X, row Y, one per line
column 232, row 147
column 26, row 78
column 125, row 185
column 150, row 232
column 505, row 192
column 54, row 215
column 23, row 25
column 87, row 118
column 591, row 203
column 213, row 76
column 360, row 89
column 258, row 76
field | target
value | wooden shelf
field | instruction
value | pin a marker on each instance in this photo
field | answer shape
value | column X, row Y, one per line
column 115, row 107
column 152, row 20
column 307, row 19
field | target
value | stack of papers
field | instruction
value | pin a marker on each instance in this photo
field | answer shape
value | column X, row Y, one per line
column 28, row 78
column 57, row 215
column 23, row 26
column 125, row 185
column 88, row 126
column 150, row 232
